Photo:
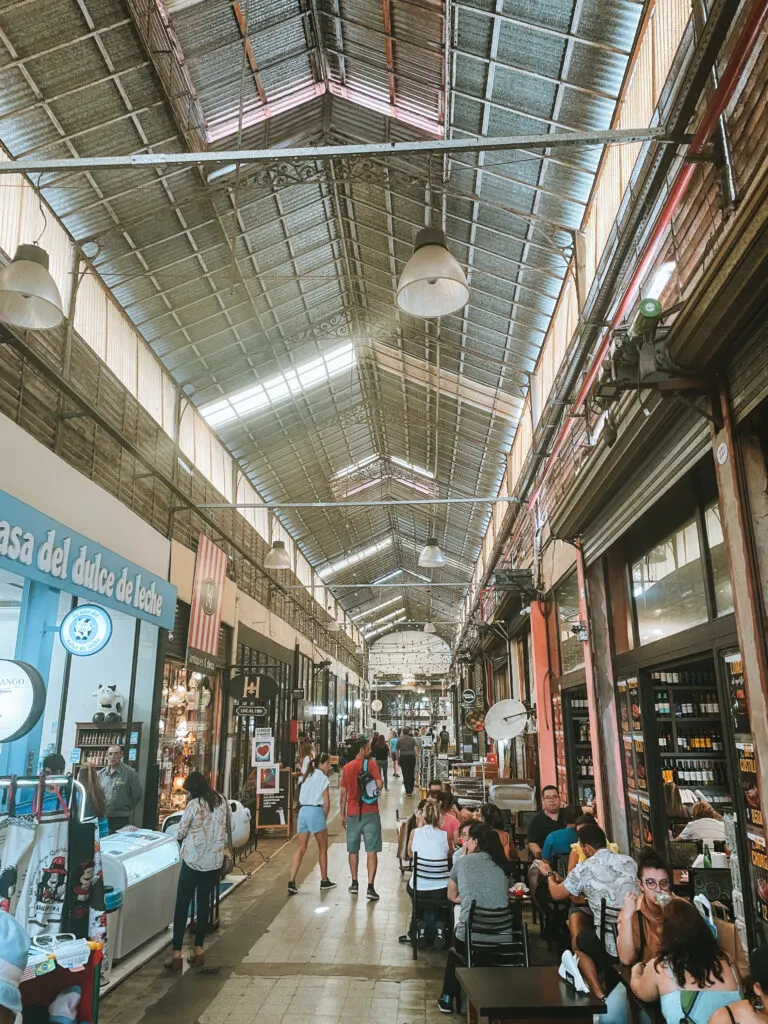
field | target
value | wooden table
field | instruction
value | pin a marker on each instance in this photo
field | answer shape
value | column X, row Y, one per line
column 524, row 994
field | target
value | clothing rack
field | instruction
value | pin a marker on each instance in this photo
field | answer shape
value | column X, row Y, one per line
column 63, row 784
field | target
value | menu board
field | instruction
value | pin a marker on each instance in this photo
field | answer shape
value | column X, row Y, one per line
column 748, row 775
column 274, row 809
column 737, row 689
column 635, row 767
column 759, row 872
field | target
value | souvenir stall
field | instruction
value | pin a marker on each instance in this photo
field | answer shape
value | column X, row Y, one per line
column 51, row 881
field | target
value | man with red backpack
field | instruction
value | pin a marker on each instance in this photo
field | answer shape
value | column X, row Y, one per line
column 360, row 787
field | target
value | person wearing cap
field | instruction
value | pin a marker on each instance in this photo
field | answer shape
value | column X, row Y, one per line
column 14, row 946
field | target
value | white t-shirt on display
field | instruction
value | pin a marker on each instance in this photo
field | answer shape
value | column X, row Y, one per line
column 432, row 844
column 312, row 789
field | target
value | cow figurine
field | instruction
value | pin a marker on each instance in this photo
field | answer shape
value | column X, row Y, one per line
column 109, row 702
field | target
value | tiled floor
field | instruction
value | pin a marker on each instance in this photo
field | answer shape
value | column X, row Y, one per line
column 317, row 958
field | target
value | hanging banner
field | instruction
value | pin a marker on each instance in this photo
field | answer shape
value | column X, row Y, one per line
column 205, row 614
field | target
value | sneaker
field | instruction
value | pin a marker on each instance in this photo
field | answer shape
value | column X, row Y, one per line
column 445, row 1004
column 354, row 889
column 421, row 937
column 326, row 883
column 441, row 937
column 405, row 940
column 292, row 888
column 371, row 894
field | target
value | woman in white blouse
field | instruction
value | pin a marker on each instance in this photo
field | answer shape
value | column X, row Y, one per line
column 430, row 842
column 203, row 834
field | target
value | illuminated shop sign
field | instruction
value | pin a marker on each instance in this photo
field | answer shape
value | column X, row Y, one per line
column 22, row 699
column 40, row 548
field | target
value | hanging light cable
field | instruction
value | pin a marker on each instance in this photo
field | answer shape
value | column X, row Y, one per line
column 432, row 283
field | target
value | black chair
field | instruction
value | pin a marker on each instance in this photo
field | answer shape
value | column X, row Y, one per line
column 496, row 938
column 434, row 871
column 609, row 925
column 554, row 914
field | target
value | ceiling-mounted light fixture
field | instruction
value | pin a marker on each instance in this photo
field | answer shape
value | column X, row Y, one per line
column 431, row 556
column 277, row 556
column 28, row 294
column 429, row 627
column 432, row 282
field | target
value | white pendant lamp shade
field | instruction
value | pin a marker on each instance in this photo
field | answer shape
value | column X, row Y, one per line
column 432, row 283
column 277, row 557
column 28, row 294
column 429, row 627
column 431, row 556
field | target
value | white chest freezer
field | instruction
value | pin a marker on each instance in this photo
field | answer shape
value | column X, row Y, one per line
column 144, row 866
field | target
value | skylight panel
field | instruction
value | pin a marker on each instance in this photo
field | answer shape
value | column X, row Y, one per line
column 414, row 469
column 358, row 556
column 384, row 618
column 387, row 625
column 377, row 608
column 362, row 487
column 391, row 576
column 280, row 388
column 353, row 468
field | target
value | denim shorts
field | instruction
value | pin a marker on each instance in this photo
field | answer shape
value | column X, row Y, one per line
column 311, row 819
column 367, row 826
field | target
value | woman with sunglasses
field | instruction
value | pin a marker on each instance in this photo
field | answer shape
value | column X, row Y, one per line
column 640, row 920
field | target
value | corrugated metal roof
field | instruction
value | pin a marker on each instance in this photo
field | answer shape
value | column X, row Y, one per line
column 319, row 247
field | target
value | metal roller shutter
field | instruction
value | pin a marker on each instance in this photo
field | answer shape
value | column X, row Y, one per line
column 686, row 441
column 748, row 372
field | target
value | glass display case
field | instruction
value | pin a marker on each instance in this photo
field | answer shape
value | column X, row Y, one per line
column 640, row 824
column 185, row 739
column 578, row 745
column 144, row 867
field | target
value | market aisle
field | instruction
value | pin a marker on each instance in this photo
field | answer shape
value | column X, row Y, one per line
column 318, row 958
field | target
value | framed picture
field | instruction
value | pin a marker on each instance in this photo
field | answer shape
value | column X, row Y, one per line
column 263, row 751
column 267, row 779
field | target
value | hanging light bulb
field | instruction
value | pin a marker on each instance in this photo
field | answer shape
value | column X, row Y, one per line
column 431, row 556
column 429, row 627
column 432, row 282
column 28, row 294
column 277, row 556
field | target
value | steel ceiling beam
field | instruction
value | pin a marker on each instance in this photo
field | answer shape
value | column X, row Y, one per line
column 246, row 157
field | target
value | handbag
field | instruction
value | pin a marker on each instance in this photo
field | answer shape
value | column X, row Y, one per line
column 729, row 940
column 229, row 860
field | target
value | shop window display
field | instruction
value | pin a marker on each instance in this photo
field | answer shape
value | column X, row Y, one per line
column 721, row 577
column 567, row 600
column 185, row 741
column 668, row 586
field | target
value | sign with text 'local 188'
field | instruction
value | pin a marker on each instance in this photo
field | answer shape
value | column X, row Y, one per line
column 42, row 549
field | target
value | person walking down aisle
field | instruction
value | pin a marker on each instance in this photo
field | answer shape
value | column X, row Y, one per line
column 360, row 787
column 753, row 1009
column 203, row 834
column 691, row 975
column 380, row 750
column 393, row 738
column 407, row 752
column 314, row 808
column 122, row 789
column 445, row 739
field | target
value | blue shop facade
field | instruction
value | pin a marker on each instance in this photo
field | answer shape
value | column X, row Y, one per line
column 86, row 619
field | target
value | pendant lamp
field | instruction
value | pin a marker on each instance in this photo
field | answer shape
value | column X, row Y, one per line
column 277, row 556
column 431, row 556
column 432, row 283
column 429, row 627
column 28, row 294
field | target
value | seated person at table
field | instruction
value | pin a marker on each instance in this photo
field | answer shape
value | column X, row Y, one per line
column 705, row 826
column 752, row 1009
column 691, row 975
column 673, row 803
column 549, row 819
column 494, row 819
column 641, row 917
column 562, row 839
column 461, row 840
column 429, row 841
column 480, row 876
column 603, row 875
column 449, row 822
column 577, row 854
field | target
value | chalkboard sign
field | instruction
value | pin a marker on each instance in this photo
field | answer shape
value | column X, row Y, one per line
column 273, row 810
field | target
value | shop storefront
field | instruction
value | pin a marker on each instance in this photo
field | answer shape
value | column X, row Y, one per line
column 190, row 717
column 89, row 621
column 682, row 717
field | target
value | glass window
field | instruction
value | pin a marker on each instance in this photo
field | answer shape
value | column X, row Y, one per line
column 668, row 586
column 721, row 577
column 11, row 593
column 567, row 600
